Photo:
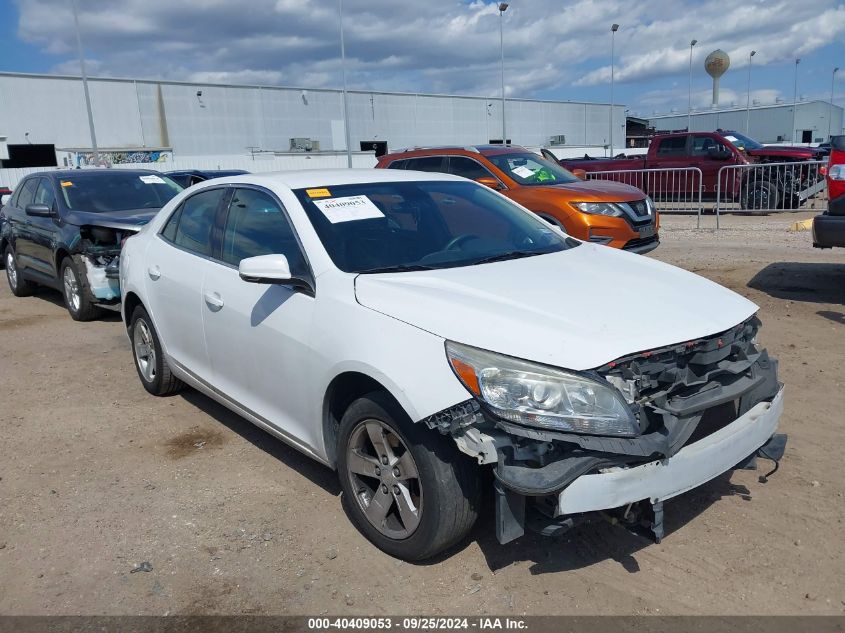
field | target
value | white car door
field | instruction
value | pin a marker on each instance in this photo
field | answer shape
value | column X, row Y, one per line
column 176, row 262
column 257, row 334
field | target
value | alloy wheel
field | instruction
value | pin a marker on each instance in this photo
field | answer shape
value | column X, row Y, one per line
column 71, row 285
column 385, row 479
column 11, row 270
column 145, row 355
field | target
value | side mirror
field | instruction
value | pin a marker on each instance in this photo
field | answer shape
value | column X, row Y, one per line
column 271, row 269
column 39, row 210
column 718, row 154
column 489, row 181
column 579, row 173
column 265, row 269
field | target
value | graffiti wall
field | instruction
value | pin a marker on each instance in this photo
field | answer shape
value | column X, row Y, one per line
column 86, row 159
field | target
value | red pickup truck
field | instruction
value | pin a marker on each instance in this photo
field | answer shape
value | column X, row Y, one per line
column 774, row 187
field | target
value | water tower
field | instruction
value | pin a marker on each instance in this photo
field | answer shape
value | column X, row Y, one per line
column 716, row 64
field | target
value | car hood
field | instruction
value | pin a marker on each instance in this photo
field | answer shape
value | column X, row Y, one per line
column 578, row 309
column 784, row 150
column 597, row 190
column 130, row 220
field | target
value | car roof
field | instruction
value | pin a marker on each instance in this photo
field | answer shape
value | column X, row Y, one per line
column 98, row 173
column 485, row 150
column 205, row 172
column 332, row 177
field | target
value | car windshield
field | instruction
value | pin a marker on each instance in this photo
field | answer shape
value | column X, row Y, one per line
column 116, row 191
column 742, row 141
column 409, row 225
column 530, row 169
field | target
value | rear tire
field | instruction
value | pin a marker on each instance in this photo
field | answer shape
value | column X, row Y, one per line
column 150, row 363
column 428, row 490
column 19, row 286
column 78, row 299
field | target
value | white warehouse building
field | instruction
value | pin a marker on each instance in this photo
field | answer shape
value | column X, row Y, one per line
column 766, row 123
column 201, row 119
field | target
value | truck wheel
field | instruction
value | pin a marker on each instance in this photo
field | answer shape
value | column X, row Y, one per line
column 78, row 297
column 761, row 195
column 19, row 286
column 406, row 488
column 152, row 367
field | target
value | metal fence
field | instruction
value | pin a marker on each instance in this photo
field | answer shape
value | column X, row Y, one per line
column 769, row 187
column 674, row 190
column 754, row 188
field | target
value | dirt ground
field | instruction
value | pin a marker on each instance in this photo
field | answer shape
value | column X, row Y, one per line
column 97, row 477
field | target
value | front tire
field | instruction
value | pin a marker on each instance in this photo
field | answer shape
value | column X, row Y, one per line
column 78, row 299
column 406, row 488
column 761, row 196
column 150, row 363
column 19, row 286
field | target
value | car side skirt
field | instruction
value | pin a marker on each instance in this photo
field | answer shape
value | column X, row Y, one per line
column 263, row 423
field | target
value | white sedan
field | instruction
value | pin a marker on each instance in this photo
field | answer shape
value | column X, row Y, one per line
column 412, row 330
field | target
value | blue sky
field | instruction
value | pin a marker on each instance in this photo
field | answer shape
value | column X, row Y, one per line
column 556, row 50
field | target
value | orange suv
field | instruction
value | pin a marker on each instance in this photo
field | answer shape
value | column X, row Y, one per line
column 603, row 212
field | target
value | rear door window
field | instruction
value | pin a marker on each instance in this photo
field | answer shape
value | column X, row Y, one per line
column 427, row 163
column 674, row 146
column 196, row 221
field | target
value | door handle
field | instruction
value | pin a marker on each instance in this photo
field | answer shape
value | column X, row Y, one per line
column 154, row 272
column 213, row 299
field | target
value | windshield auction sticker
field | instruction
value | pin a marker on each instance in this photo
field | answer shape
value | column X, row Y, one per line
column 523, row 171
column 348, row 209
column 152, row 180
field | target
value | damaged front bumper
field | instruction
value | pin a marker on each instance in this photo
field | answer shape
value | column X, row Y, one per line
column 690, row 467
column 705, row 407
column 103, row 273
column 97, row 252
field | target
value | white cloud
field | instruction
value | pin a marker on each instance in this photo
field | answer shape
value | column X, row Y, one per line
column 447, row 46
column 779, row 30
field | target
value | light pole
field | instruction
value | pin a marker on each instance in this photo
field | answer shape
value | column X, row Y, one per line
column 85, row 85
column 748, row 95
column 689, row 92
column 613, row 29
column 795, row 100
column 830, row 116
column 345, row 104
column 503, row 6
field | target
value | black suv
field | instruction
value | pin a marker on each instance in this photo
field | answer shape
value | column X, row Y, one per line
column 65, row 229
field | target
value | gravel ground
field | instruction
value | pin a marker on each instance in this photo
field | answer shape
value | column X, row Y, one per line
column 97, row 477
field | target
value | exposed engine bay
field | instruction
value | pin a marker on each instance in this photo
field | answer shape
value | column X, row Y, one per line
column 98, row 251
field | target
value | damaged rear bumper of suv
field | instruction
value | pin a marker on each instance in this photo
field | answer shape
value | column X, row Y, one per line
column 705, row 407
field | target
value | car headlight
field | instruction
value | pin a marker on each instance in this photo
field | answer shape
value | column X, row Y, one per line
column 837, row 172
column 650, row 204
column 535, row 395
column 600, row 208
